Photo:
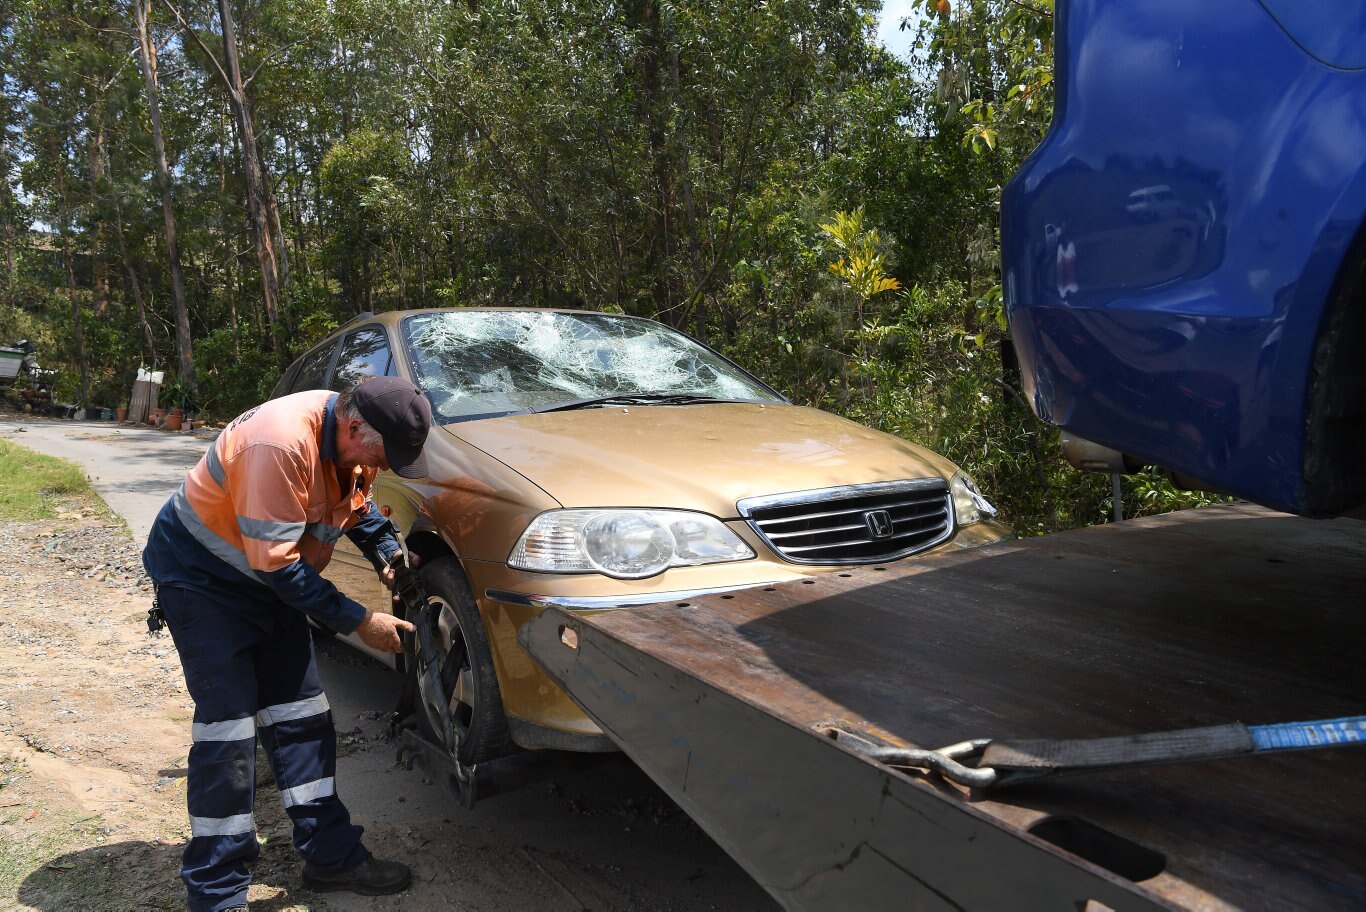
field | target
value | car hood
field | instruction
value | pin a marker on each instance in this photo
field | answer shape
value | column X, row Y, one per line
column 696, row 457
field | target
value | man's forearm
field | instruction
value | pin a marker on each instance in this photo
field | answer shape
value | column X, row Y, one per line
column 302, row 587
column 374, row 536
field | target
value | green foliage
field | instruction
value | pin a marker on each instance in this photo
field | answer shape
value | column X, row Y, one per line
column 762, row 175
column 992, row 65
column 1149, row 492
column 364, row 178
column 231, row 380
column 935, row 385
column 862, row 264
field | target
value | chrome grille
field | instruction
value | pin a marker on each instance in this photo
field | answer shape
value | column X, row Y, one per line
column 853, row 524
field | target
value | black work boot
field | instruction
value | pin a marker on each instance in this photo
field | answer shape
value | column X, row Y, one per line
column 371, row 877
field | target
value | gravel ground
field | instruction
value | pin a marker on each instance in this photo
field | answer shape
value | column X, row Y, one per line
column 94, row 731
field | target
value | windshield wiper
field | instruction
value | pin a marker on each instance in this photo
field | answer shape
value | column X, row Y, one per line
column 630, row 399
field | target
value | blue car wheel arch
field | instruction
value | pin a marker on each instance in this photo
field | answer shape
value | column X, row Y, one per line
column 1183, row 254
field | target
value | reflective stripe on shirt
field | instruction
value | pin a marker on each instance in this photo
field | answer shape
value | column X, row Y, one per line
column 220, row 549
column 270, row 529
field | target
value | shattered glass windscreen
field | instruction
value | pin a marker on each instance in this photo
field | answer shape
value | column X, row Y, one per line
column 482, row 363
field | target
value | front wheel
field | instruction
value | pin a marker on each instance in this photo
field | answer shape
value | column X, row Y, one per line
column 469, row 685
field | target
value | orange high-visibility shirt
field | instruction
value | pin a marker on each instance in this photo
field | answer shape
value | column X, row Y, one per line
column 265, row 507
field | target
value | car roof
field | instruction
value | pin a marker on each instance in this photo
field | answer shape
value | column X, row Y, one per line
column 395, row 316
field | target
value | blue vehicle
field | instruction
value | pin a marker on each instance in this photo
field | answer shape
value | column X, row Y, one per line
column 1184, row 259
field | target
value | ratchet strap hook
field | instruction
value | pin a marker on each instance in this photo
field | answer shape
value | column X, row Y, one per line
column 946, row 761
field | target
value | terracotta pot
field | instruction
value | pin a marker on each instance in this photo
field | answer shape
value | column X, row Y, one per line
column 173, row 420
column 177, row 411
column 120, row 414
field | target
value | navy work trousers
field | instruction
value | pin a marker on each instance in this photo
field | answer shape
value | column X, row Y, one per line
column 250, row 669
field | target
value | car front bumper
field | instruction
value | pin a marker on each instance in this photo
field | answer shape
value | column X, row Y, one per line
column 540, row 714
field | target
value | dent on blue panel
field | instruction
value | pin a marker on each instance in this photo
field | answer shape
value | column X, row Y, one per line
column 1333, row 31
column 1134, row 195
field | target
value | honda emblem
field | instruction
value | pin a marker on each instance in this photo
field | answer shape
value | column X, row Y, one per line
column 879, row 523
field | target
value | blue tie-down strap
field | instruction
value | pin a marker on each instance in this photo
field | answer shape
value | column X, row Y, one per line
column 1306, row 735
column 987, row 763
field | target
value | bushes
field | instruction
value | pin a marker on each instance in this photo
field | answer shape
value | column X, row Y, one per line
column 235, row 371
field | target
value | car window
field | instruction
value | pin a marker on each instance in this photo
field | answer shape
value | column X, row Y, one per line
column 483, row 363
column 285, row 385
column 313, row 372
column 365, row 353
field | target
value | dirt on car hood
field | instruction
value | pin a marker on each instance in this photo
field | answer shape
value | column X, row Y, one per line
column 698, row 457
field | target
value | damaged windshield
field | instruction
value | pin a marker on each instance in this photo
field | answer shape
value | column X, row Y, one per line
column 477, row 364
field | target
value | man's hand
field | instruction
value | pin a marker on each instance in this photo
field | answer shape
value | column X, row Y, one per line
column 386, row 575
column 383, row 632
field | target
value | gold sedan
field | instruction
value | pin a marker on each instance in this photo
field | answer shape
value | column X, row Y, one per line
column 599, row 461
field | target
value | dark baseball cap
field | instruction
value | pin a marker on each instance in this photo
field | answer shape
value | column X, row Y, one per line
column 402, row 415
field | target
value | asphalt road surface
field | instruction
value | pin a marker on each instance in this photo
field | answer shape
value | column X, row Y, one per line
column 601, row 838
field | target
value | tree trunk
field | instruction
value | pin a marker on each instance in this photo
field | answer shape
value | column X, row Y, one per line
column 281, row 248
column 135, row 286
column 223, row 151
column 232, row 268
column 7, row 243
column 258, row 191
column 9, row 237
column 99, row 269
column 365, row 281
column 77, row 335
column 8, row 201
column 184, row 345
column 659, row 220
column 295, row 206
column 684, row 156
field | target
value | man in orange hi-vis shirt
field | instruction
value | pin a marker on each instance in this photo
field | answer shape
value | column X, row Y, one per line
column 235, row 556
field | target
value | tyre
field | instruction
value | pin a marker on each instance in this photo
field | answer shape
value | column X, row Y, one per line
column 469, row 684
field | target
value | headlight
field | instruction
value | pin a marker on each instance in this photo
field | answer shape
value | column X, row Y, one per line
column 626, row 544
column 969, row 506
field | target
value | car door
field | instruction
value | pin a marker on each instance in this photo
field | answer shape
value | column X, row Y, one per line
column 365, row 352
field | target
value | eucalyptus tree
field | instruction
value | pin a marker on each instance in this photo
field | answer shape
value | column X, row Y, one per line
column 601, row 152
column 147, row 60
column 264, row 216
column 61, row 77
column 12, row 219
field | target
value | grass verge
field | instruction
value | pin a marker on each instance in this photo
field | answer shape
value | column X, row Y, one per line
column 32, row 485
column 49, row 865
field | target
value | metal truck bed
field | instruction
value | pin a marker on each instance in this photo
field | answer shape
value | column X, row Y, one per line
column 1190, row 619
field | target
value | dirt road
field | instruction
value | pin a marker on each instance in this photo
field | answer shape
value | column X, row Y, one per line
column 94, row 730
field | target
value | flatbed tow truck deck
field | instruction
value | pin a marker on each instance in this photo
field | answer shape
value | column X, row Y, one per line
column 1204, row 617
